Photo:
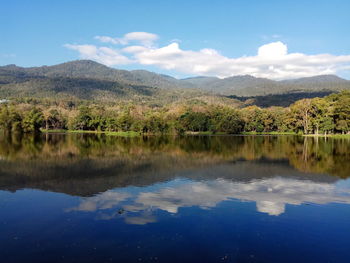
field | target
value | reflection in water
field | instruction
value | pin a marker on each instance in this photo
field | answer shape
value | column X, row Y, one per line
column 271, row 171
column 95, row 198
column 84, row 165
column 271, row 196
column 102, row 201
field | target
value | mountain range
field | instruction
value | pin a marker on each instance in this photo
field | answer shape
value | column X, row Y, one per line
column 89, row 80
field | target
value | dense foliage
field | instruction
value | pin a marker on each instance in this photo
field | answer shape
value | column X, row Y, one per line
column 326, row 115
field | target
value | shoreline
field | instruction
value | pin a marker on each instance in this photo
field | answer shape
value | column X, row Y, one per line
column 207, row 133
column 123, row 134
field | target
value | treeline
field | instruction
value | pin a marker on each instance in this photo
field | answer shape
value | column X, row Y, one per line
column 326, row 115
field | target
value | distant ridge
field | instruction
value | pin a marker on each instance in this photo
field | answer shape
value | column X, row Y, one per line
column 247, row 85
column 86, row 79
column 317, row 79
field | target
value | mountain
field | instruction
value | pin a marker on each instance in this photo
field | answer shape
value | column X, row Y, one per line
column 201, row 81
column 247, row 85
column 89, row 80
column 87, row 69
column 321, row 79
column 235, row 85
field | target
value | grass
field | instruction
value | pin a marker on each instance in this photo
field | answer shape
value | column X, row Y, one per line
column 53, row 131
column 135, row 134
column 124, row 134
column 205, row 133
column 243, row 133
column 269, row 133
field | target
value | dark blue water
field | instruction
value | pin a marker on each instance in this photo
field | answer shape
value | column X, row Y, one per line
column 198, row 199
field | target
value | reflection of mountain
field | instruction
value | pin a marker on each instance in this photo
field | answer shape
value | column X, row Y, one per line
column 271, row 196
column 86, row 179
column 85, row 165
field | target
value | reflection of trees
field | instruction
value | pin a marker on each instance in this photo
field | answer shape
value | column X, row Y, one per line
column 322, row 156
column 29, row 155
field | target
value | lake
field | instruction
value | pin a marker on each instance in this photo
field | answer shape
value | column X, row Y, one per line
column 96, row 198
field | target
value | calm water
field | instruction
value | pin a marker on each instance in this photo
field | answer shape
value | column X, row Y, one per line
column 88, row 198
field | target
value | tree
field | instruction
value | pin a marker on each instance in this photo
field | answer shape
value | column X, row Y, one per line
column 125, row 121
column 253, row 119
column 342, row 126
column 327, row 125
column 302, row 110
column 83, row 119
column 155, row 123
column 341, row 110
column 281, row 119
column 194, row 121
column 54, row 120
column 5, row 120
column 33, row 121
column 227, row 120
column 320, row 109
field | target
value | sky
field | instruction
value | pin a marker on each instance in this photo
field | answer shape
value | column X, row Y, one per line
column 272, row 39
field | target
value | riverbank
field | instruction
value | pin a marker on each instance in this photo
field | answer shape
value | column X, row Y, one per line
column 124, row 134
column 269, row 133
column 190, row 133
column 207, row 133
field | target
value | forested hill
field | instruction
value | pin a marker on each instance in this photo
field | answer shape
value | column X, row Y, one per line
column 251, row 86
column 87, row 69
column 85, row 79
column 88, row 80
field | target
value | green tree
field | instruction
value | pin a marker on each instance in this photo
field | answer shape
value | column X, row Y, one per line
column 16, row 121
column 33, row 121
column 55, row 120
column 5, row 119
column 342, row 125
column 341, row 110
column 226, row 120
column 303, row 111
column 125, row 121
column 83, row 119
column 194, row 121
column 253, row 118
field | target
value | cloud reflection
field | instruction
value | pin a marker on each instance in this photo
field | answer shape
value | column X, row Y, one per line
column 271, row 196
column 102, row 201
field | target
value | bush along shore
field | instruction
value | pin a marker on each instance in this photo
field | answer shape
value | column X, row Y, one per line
column 328, row 116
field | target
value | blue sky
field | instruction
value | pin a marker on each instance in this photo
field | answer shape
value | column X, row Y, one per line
column 210, row 37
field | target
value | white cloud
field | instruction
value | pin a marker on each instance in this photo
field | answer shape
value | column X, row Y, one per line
column 146, row 39
column 275, row 50
column 271, row 196
column 111, row 40
column 272, row 59
column 104, row 55
column 134, row 49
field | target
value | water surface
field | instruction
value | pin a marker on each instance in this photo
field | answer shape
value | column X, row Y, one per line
column 95, row 198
